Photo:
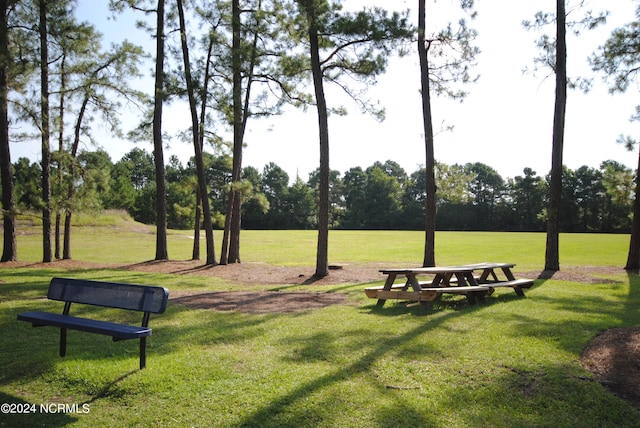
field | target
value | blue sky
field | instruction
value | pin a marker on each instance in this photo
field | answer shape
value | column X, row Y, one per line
column 505, row 122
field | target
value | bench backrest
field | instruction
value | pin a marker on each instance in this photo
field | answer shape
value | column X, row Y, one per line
column 109, row 294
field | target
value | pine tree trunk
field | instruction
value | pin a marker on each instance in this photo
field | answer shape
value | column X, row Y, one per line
column 158, row 155
column 430, row 202
column 202, row 184
column 552, row 253
column 9, row 249
column 322, row 254
column 66, row 251
column 46, row 149
column 633, row 258
column 195, row 254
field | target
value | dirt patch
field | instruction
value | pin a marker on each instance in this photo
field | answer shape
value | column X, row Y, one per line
column 614, row 358
column 262, row 273
column 257, row 302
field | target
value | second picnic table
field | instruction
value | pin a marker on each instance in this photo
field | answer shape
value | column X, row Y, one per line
column 447, row 279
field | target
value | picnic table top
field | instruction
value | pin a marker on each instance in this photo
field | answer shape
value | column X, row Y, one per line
column 447, row 269
column 436, row 270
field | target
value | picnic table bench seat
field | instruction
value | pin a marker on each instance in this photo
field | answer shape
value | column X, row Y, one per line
column 145, row 299
column 516, row 284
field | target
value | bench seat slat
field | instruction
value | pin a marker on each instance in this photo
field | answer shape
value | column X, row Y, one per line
column 522, row 283
column 119, row 331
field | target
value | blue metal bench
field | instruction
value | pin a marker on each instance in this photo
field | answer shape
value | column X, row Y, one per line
column 146, row 299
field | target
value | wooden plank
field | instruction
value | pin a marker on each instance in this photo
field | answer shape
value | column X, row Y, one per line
column 489, row 265
column 417, row 296
column 372, row 292
column 428, row 270
column 458, row 290
column 522, row 283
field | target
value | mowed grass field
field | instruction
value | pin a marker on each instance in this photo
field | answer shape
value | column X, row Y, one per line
column 117, row 240
column 508, row 362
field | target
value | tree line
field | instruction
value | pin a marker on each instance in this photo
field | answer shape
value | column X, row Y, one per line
column 473, row 196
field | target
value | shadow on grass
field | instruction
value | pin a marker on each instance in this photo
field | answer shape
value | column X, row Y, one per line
column 398, row 405
column 532, row 390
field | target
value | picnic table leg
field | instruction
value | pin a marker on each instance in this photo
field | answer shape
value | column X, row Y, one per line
column 387, row 286
column 508, row 274
column 415, row 285
column 510, row 277
column 484, row 277
column 473, row 296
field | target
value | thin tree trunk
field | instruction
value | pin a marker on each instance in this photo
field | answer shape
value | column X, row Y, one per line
column 236, row 63
column 63, row 85
column 56, row 234
column 241, row 115
column 66, row 252
column 195, row 254
column 195, row 125
column 322, row 254
column 633, row 258
column 9, row 249
column 46, row 150
column 430, row 202
column 552, row 254
column 161, row 192
column 203, row 109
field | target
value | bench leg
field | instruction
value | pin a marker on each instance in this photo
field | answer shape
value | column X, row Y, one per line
column 143, row 352
column 63, row 342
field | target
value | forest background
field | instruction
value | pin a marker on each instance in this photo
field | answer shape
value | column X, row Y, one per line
column 381, row 196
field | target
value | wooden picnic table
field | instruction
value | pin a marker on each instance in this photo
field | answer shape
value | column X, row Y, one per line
column 447, row 279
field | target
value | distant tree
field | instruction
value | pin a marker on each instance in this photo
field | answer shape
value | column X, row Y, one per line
column 619, row 182
column 27, row 176
column 619, row 60
column 487, row 189
column 590, row 194
column 301, row 206
column 336, row 198
column 254, row 209
column 355, row 198
column 138, row 164
column 382, row 200
column 275, row 186
column 528, row 194
column 133, row 179
column 413, row 200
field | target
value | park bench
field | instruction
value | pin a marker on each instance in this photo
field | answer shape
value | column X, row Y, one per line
column 146, row 299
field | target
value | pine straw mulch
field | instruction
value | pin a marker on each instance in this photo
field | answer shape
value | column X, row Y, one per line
column 613, row 356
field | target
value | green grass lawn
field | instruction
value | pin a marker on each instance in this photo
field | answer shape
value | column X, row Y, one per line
column 508, row 362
